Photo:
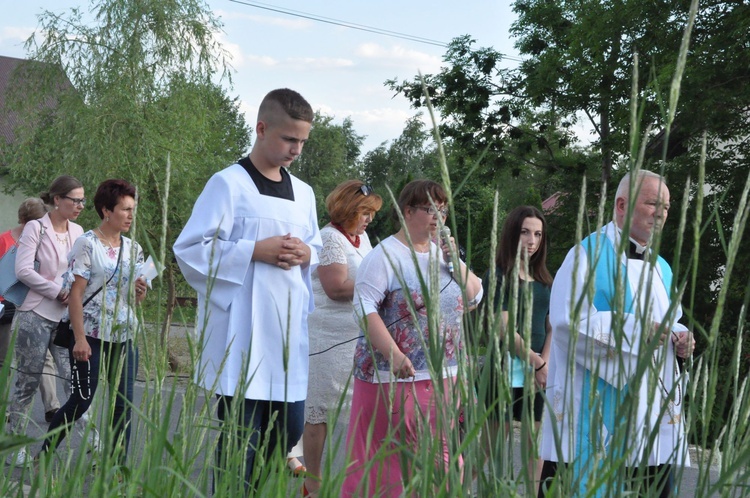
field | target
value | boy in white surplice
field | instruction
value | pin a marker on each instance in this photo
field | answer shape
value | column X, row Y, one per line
column 248, row 250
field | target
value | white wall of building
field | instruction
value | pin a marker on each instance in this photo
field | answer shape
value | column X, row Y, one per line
column 9, row 207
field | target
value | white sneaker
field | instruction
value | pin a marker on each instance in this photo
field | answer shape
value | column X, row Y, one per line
column 95, row 442
column 19, row 459
column 89, row 435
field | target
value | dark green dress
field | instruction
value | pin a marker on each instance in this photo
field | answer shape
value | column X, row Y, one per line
column 503, row 301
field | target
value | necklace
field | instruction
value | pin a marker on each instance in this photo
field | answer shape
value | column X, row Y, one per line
column 419, row 247
column 62, row 240
column 111, row 251
column 353, row 241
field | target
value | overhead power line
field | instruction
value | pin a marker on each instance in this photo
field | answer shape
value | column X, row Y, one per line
column 351, row 25
column 345, row 24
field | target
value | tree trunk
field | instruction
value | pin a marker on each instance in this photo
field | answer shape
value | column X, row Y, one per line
column 606, row 146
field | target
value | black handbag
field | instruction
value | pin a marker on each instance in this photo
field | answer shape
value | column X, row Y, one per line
column 64, row 336
column 9, row 311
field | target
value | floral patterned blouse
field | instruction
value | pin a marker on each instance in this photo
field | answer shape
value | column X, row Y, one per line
column 388, row 283
column 96, row 263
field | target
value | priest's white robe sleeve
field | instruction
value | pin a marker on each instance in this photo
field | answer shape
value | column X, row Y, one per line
column 591, row 333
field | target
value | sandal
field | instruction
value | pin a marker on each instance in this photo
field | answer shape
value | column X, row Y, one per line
column 305, row 492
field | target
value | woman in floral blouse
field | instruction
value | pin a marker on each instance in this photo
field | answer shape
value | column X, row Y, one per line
column 103, row 264
column 405, row 364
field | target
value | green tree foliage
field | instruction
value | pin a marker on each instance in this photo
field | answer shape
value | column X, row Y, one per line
column 715, row 98
column 715, row 94
column 727, row 169
column 414, row 155
column 495, row 140
column 579, row 64
column 143, row 93
column 394, row 164
column 329, row 157
column 580, row 61
column 483, row 115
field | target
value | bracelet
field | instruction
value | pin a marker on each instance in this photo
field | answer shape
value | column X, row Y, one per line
column 543, row 365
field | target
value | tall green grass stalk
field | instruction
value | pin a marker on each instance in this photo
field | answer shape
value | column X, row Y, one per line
column 175, row 428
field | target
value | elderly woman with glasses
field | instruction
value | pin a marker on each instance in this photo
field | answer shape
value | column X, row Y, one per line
column 46, row 241
column 410, row 306
column 351, row 207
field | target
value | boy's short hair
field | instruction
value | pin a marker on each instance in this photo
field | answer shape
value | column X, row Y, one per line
column 287, row 101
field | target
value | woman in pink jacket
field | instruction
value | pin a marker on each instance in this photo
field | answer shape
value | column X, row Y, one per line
column 47, row 240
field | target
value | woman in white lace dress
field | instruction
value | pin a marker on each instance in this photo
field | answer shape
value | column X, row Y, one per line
column 333, row 331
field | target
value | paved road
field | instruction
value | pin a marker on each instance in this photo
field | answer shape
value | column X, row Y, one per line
column 36, row 429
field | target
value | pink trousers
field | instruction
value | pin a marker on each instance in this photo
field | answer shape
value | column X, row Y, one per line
column 389, row 418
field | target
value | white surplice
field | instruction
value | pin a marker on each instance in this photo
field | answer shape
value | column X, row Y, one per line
column 593, row 358
column 252, row 316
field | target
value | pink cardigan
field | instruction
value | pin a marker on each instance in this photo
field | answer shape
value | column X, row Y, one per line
column 45, row 285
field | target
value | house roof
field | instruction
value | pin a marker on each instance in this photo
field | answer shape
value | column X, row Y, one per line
column 550, row 204
column 10, row 120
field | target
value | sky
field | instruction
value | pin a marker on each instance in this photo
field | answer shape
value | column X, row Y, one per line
column 339, row 70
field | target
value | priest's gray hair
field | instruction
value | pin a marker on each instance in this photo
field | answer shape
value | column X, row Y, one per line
column 623, row 189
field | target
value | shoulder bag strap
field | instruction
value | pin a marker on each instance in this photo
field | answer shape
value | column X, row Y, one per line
column 42, row 231
column 119, row 259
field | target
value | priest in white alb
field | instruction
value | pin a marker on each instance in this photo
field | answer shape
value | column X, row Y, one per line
column 615, row 387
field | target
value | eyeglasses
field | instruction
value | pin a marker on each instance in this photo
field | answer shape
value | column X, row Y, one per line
column 366, row 190
column 80, row 201
column 432, row 211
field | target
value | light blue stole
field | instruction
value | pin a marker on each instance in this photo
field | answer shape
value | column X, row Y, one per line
column 599, row 400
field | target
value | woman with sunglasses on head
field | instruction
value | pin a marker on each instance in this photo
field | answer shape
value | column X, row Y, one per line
column 351, row 207
column 46, row 241
column 104, row 291
column 398, row 404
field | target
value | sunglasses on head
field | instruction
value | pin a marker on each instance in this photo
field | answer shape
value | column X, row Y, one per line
column 366, row 190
